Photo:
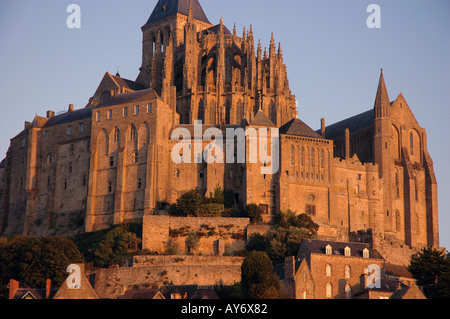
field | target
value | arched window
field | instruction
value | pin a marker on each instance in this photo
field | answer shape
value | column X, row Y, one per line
column 292, row 155
column 347, row 272
column 133, row 133
column 416, row 188
column 348, row 291
column 302, row 157
column 322, row 159
column 328, row 250
column 329, row 290
column 312, row 157
column 116, row 134
column 328, row 271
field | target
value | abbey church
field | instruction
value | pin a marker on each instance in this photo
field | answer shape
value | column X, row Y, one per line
column 110, row 162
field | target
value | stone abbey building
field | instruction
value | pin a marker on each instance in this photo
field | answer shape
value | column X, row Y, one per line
column 110, row 162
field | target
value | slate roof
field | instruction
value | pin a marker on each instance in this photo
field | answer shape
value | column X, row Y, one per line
column 215, row 30
column 130, row 97
column 297, row 127
column 356, row 249
column 186, row 292
column 261, row 119
column 166, row 8
column 76, row 115
column 22, row 293
column 354, row 123
column 129, row 84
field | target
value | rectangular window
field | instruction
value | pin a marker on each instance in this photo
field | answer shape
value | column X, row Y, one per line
column 109, row 114
column 84, row 180
column 136, row 157
column 69, row 130
column 81, row 127
column 125, row 111
column 47, row 135
column 149, row 108
column 111, row 161
column 136, row 110
column 97, row 116
column 22, row 142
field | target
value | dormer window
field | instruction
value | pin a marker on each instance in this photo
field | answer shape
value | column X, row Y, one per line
column 365, row 253
column 328, row 250
column 347, row 252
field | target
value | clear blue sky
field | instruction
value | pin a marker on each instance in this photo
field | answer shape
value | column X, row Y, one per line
column 333, row 59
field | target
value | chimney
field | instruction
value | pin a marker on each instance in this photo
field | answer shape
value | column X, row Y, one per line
column 26, row 125
column 13, row 287
column 347, row 143
column 289, row 268
column 322, row 127
column 70, row 108
column 363, row 282
column 48, row 288
column 50, row 114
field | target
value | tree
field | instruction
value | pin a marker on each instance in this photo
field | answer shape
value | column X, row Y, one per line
column 188, row 204
column 254, row 212
column 257, row 279
column 285, row 238
column 431, row 269
column 117, row 246
column 32, row 260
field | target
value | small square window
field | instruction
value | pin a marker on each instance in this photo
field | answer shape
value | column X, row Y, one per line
column 125, row 111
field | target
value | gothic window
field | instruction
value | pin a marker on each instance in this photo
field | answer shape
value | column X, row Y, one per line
column 292, row 155
column 416, row 189
column 328, row 272
column 201, row 112
column 133, row 134
column 302, row 157
column 312, row 157
column 347, row 272
column 228, row 113
column 322, row 159
column 328, row 250
column 397, row 220
column 411, row 143
column 348, row 291
column 212, row 112
column 116, row 134
column 329, row 290
column 239, row 112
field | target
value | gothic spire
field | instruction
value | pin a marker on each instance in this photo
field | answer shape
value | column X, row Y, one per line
column 382, row 99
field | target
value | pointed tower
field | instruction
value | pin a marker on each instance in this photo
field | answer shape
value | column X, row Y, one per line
column 382, row 150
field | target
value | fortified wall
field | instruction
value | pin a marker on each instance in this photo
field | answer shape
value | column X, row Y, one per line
column 216, row 236
column 155, row 271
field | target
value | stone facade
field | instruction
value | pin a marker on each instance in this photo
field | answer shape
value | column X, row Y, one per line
column 111, row 161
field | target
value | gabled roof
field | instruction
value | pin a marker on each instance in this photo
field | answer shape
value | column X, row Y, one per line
column 130, row 97
column 297, row 127
column 354, row 123
column 166, row 8
column 128, row 84
column 261, row 119
column 356, row 249
column 215, row 29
